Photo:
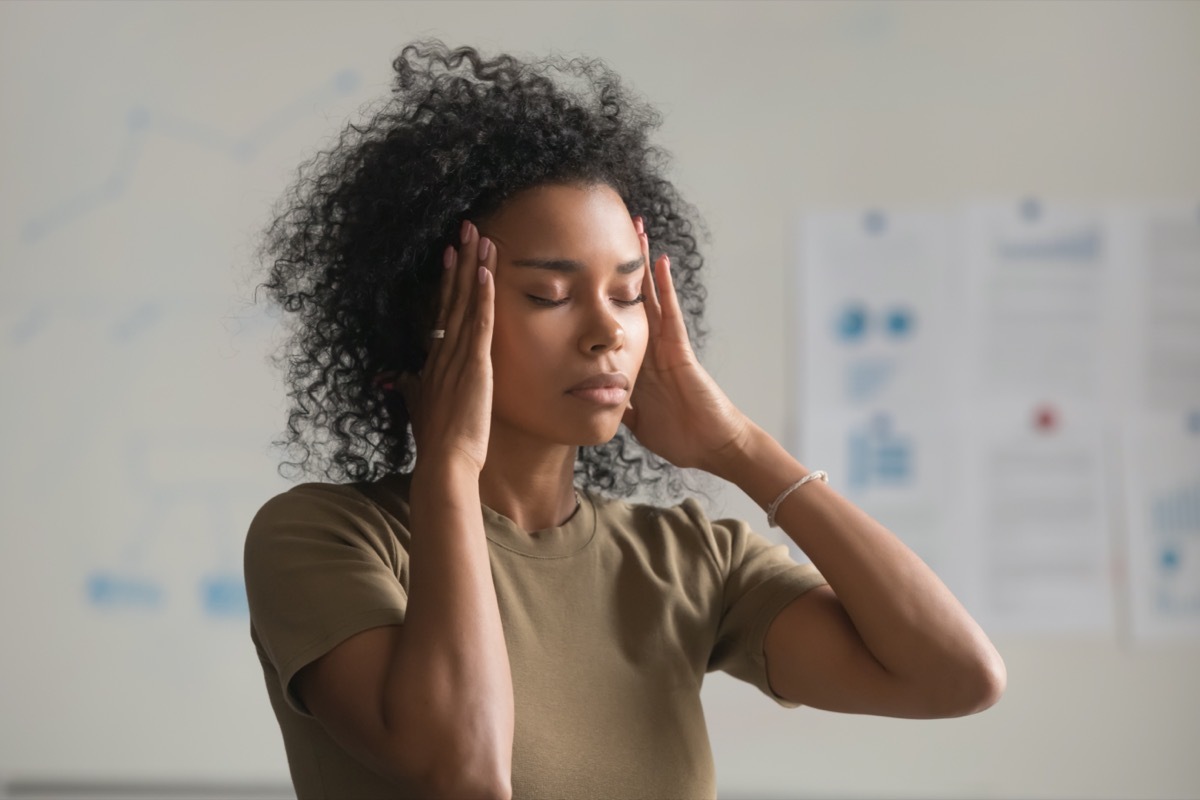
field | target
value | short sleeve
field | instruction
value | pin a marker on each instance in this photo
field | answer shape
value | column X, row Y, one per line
column 321, row 564
column 760, row 579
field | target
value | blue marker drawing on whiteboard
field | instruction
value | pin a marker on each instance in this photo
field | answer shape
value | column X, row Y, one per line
column 140, row 122
column 187, row 496
column 875, row 222
column 137, row 321
column 30, row 325
column 1031, row 209
column 115, row 590
column 224, row 595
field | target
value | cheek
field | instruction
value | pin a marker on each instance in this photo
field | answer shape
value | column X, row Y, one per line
column 637, row 335
column 520, row 348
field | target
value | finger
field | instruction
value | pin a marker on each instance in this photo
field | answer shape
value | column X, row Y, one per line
column 485, row 309
column 466, row 343
column 672, row 317
column 653, row 309
column 464, row 277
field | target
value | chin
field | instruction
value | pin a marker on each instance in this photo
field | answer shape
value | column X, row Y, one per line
column 600, row 431
column 596, row 441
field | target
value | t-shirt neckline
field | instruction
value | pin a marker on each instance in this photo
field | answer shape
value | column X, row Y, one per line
column 554, row 542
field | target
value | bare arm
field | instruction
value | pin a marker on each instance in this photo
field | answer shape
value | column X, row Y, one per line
column 429, row 704
column 886, row 637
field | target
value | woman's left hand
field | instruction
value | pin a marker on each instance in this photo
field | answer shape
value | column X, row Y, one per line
column 677, row 410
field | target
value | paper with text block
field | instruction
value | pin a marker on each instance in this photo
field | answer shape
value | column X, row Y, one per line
column 1039, row 384
column 877, row 401
column 1159, row 250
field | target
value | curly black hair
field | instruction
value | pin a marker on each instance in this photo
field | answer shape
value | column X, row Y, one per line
column 356, row 242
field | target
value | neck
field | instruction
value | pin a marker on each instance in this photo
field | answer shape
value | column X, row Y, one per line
column 533, row 485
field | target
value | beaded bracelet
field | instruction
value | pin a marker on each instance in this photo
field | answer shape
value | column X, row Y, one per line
column 818, row 475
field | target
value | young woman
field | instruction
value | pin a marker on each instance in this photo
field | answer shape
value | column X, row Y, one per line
column 487, row 282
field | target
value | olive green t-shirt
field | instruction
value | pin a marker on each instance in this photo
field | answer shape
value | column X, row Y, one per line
column 611, row 622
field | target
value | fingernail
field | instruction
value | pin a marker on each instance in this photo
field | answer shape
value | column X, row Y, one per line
column 466, row 230
column 483, row 274
column 484, row 246
column 448, row 257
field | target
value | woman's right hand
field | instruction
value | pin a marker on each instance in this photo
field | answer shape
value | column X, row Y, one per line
column 450, row 400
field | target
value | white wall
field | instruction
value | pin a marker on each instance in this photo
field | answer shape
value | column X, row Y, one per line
column 124, row 233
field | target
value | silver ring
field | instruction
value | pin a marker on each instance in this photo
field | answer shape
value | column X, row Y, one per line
column 438, row 334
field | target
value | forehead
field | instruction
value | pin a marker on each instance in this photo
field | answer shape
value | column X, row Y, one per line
column 562, row 217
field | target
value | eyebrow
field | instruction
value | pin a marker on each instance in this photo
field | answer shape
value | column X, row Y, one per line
column 570, row 265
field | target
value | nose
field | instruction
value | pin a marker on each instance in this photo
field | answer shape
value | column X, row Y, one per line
column 602, row 332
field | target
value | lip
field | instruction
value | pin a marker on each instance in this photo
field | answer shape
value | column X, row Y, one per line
column 603, row 395
column 606, row 389
column 604, row 380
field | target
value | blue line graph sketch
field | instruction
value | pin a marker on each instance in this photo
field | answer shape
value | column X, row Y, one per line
column 141, row 122
column 29, row 325
column 183, row 474
column 875, row 222
column 125, row 590
column 142, row 317
column 135, row 319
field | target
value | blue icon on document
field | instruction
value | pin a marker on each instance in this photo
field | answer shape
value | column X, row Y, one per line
column 866, row 378
column 1175, row 523
column 878, row 457
column 852, row 322
column 1193, row 422
column 1177, row 512
column 898, row 322
column 1170, row 559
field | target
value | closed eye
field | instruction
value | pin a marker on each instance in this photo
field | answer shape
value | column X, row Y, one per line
column 542, row 301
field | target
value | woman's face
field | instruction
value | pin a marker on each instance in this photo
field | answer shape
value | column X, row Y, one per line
column 569, row 278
